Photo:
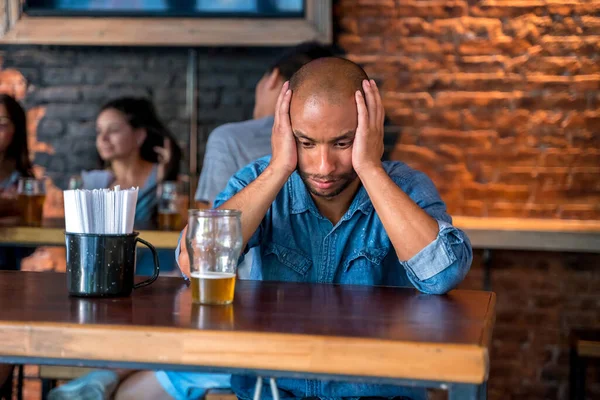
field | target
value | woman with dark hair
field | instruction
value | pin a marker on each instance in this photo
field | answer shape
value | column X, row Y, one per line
column 137, row 150
column 14, row 155
column 14, row 163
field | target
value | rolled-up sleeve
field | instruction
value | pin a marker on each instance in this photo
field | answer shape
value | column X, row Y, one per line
column 443, row 263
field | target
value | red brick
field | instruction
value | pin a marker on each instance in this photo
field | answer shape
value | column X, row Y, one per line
column 435, row 136
column 410, row 82
column 452, row 153
column 590, row 24
column 481, row 99
column 554, row 101
column 505, row 210
column 402, row 100
column 492, row 192
column 441, row 118
column 474, row 208
column 412, row 154
column 409, row 27
column 560, row 157
column 354, row 43
column 552, row 65
column 432, row 8
column 542, row 210
column 349, row 25
column 418, row 45
column 504, row 156
column 585, row 179
column 570, row 45
column 509, row 9
column 488, row 64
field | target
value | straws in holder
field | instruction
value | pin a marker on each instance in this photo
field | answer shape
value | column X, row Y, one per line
column 100, row 211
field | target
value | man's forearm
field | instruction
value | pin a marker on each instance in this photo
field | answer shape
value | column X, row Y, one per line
column 256, row 198
column 409, row 227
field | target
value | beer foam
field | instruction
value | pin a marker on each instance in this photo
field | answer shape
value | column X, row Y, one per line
column 212, row 275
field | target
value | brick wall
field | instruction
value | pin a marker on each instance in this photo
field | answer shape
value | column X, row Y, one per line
column 68, row 85
column 541, row 297
column 498, row 101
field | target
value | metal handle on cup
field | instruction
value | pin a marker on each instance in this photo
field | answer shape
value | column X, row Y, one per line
column 156, row 265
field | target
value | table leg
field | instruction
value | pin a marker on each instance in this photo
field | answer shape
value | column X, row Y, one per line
column 463, row 391
column 258, row 387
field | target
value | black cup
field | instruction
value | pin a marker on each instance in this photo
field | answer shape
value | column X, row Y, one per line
column 104, row 265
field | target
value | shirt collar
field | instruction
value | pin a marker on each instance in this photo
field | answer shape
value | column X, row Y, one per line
column 302, row 201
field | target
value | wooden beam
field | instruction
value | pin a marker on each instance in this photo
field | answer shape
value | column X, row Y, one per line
column 174, row 31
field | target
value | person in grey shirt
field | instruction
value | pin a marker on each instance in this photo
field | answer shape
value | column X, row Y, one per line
column 231, row 147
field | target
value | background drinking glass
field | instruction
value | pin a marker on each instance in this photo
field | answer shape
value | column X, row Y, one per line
column 75, row 182
column 214, row 242
column 170, row 201
column 32, row 194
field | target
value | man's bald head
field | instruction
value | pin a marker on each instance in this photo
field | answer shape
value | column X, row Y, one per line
column 331, row 79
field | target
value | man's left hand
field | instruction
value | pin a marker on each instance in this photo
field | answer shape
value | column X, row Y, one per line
column 368, row 142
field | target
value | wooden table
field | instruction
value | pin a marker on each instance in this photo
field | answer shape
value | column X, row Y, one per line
column 52, row 233
column 350, row 333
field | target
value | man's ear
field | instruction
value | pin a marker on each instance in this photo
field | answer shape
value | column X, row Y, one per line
column 273, row 79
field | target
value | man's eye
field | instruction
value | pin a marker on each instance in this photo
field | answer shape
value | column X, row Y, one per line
column 307, row 144
column 343, row 145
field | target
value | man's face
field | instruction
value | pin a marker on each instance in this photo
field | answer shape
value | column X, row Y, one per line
column 324, row 136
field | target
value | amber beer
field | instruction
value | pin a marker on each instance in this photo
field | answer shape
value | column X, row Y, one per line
column 31, row 208
column 212, row 287
column 169, row 221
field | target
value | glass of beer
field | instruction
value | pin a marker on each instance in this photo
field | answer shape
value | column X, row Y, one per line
column 214, row 242
column 32, row 194
column 169, row 206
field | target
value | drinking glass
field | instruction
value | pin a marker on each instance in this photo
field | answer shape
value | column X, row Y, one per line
column 169, row 206
column 214, row 242
column 32, row 194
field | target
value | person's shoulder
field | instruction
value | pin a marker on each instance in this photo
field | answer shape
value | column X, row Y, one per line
column 96, row 179
column 237, row 131
column 256, row 167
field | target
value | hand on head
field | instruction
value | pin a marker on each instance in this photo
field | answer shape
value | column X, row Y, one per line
column 368, row 142
column 283, row 142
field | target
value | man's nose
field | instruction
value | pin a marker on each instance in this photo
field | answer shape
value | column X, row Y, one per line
column 326, row 161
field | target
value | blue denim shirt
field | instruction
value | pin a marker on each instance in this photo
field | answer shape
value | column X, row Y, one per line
column 298, row 244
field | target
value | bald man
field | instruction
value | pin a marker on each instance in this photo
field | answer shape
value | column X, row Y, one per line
column 324, row 208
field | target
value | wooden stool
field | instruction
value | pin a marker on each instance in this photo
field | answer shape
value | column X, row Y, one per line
column 584, row 345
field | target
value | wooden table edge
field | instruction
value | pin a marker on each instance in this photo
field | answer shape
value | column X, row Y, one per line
column 314, row 354
column 55, row 236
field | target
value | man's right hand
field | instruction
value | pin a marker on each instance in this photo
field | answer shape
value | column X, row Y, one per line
column 183, row 258
column 283, row 142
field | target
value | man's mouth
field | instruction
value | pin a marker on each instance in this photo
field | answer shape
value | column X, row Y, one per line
column 322, row 184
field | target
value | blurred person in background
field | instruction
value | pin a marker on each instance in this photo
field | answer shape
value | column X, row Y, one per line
column 14, row 164
column 137, row 150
